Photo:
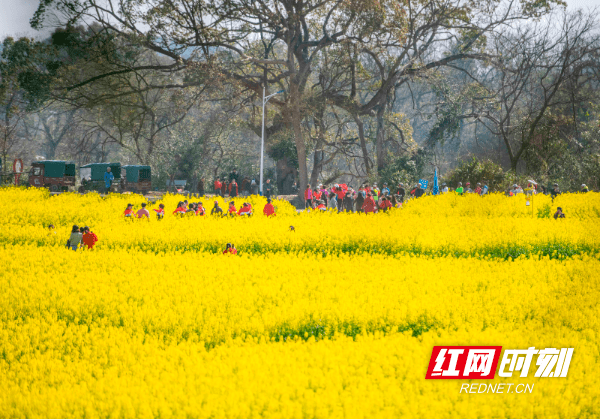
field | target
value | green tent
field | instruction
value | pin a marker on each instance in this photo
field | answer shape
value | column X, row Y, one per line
column 57, row 168
column 137, row 173
column 95, row 171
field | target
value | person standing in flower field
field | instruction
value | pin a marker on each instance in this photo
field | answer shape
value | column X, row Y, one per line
column 75, row 238
column 160, row 212
column 180, row 210
column 230, row 249
column 200, row 209
column 216, row 210
column 143, row 212
column 369, row 204
column 232, row 209
column 88, row 239
column 269, row 209
column 459, row 188
column 108, row 179
column 245, row 209
column 128, row 213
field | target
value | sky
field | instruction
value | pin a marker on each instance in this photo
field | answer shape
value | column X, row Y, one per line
column 15, row 15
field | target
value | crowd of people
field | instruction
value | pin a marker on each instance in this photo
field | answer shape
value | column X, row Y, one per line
column 371, row 198
column 339, row 197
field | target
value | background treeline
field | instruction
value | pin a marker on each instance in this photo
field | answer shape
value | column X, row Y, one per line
column 372, row 90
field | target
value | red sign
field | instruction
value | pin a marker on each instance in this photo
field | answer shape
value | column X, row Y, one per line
column 18, row 166
column 463, row 362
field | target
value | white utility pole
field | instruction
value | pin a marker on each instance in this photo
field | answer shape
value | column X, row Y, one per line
column 262, row 141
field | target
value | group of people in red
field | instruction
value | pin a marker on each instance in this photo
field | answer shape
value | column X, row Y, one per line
column 196, row 208
column 367, row 199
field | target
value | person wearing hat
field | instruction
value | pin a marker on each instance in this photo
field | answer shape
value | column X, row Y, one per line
column 216, row 210
column 468, row 188
column 444, row 188
column 385, row 190
column 459, row 188
column 484, row 188
column 478, row 189
column 269, row 209
column 584, row 188
column 129, row 211
column 559, row 214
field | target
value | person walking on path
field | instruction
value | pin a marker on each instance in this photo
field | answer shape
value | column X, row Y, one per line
column 108, row 179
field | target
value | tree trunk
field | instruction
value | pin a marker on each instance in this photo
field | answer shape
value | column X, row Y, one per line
column 380, row 139
column 298, row 138
column 363, row 143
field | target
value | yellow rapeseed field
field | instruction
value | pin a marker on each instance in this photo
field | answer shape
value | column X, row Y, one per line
column 337, row 318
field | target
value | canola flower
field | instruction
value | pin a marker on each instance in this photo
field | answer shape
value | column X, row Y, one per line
column 445, row 225
column 155, row 322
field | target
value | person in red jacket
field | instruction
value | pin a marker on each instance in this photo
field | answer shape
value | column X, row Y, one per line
column 369, row 204
column 308, row 197
column 218, row 187
column 316, row 194
column 89, row 239
column 232, row 210
column 321, row 206
column 269, row 209
column 385, row 204
column 200, row 209
column 230, row 249
column 245, row 209
column 180, row 210
column 129, row 211
column 160, row 212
